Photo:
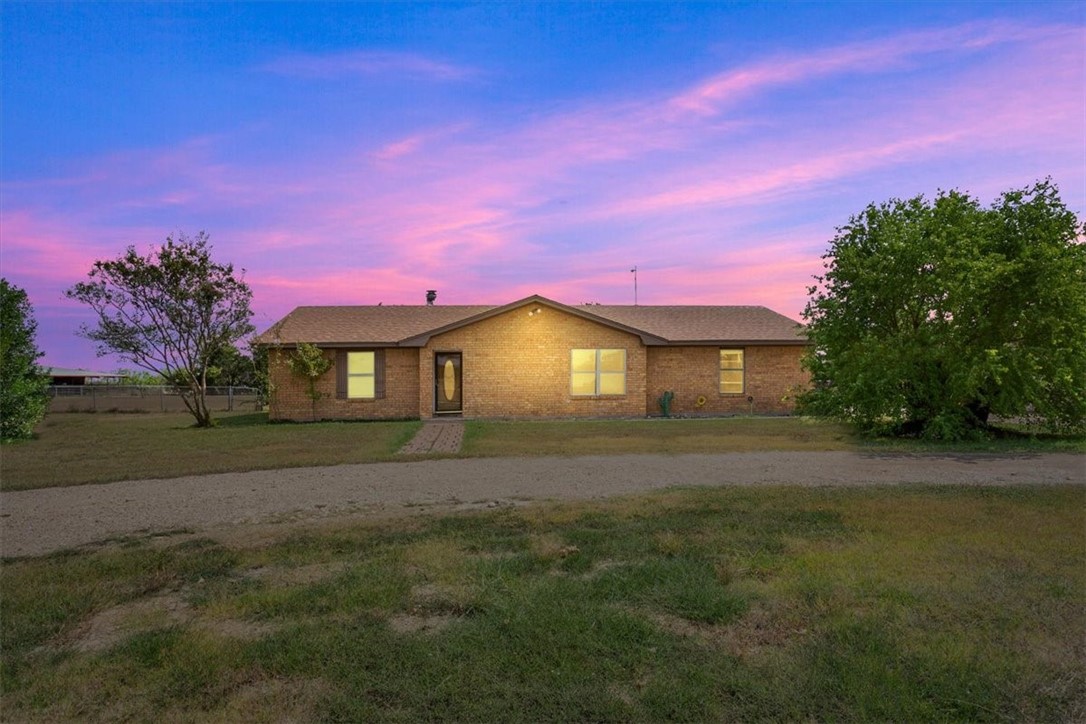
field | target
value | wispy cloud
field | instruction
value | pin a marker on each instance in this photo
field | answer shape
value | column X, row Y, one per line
column 894, row 52
column 722, row 191
column 47, row 253
column 401, row 147
column 784, row 179
column 414, row 142
column 367, row 63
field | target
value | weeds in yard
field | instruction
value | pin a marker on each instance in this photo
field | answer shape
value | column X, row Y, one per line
column 709, row 604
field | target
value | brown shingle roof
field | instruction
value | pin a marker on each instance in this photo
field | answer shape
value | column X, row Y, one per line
column 381, row 325
column 686, row 324
column 411, row 325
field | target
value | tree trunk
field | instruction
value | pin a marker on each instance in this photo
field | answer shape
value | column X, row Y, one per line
column 980, row 412
column 313, row 397
column 195, row 400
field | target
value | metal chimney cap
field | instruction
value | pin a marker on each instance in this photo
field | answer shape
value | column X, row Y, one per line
column 431, row 295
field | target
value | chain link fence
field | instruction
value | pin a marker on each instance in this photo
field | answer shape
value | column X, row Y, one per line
column 146, row 398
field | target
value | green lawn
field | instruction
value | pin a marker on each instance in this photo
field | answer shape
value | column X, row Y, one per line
column 878, row 604
column 80, row 448
column 715, row 435
column 75, row 449
column 611, row 437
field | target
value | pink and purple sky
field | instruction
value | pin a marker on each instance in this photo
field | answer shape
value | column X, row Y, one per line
column 363, row 153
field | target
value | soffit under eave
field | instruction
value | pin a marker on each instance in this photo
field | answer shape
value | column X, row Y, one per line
column 423, row 340
column 333, row 345
column 648, row 340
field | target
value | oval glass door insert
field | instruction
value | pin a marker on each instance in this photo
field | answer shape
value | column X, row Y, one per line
column 450, row 380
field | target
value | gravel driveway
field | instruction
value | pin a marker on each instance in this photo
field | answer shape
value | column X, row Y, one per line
column 33, row 522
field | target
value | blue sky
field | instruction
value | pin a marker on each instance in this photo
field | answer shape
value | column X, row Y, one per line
column 362, row 153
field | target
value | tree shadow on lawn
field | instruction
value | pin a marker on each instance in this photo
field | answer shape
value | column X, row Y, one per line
column 251, row 419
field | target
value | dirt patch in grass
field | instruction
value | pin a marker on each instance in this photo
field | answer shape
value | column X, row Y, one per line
column 596, row 569
column 110, row 627
column 433, row 608
column 296, row 575
column 410, row 624
column 268, row 701
column 233, row 628
column 427, row 594
column 549, row 546
column 756, row 631
column 439, row 599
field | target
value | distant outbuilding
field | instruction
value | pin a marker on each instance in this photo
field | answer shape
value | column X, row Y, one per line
column 78, row 376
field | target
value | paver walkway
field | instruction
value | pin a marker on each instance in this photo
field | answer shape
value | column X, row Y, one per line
column 436, row 436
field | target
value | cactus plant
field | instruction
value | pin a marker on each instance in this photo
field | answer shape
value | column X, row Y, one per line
column 665, row 402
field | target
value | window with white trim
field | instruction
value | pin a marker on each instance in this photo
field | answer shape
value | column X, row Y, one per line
column 731, row 372
column 596, row 372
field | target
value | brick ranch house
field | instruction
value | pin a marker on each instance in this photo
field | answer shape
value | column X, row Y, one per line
column 536, row 358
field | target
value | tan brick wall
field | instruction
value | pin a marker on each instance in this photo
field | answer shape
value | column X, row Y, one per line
column 772, row 375
column 290, row 400
column 516, row 365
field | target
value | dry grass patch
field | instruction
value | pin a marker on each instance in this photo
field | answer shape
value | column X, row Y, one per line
column 550, row 547
column 107, row 628
column 435, row 558
column 233, row 628
column 411, row 624
column 745, row 638
column 669, row 542
column 296, row 575
column 266, row 701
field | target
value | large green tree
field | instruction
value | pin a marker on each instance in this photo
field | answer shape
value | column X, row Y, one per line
column 23, row 393
column 931, row 316
column 231, row 367
column 169, row 312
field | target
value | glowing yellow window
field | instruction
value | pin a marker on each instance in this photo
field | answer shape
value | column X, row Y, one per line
column 583, row 372
column 731, row 371
column 361, row 380
column 597, row 372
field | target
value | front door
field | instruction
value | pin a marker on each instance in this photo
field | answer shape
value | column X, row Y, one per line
column 448, row 397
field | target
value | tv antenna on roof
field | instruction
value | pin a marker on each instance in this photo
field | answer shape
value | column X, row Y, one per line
column 634, row 272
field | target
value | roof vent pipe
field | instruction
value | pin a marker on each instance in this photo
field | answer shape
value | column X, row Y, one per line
column 431, row 295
